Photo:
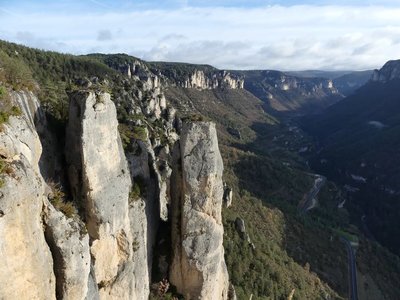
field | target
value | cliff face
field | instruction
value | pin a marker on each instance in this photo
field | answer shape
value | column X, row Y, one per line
column 198, row 268
column 221, row 79
column 287, row 93
column 390, row 71
column 27, row 265
column 96, row 158
column 103, row 248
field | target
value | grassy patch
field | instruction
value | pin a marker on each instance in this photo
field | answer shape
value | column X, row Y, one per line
column 139, row 133
column 58, row 200
column 265, row 196
column 138, row 189
column 6, row 108
column 5, row 168
column 128, row 133
column 135, row 192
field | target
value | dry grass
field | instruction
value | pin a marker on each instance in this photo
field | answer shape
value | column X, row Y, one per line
column 58, row 200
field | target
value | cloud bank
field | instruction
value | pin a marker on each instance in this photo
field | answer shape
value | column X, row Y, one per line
column 296, row 37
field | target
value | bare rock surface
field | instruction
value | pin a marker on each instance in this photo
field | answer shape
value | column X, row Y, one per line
column 99, row 174
column 69, row 244
column 198, row 268
column 26, row 270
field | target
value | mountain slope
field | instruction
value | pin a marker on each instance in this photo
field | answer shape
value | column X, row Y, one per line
column 345, row 81
column 359, row 147
column 285, row 93
column 348, row 83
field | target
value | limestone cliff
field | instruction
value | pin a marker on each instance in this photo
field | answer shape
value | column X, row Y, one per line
column 218, row 79
column 69, row 244
column 27, row 267
column 287, row 93
column 198, row 268
column 103, row 247
column 100, row 179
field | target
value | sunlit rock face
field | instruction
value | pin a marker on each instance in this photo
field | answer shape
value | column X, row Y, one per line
column 100, row 178
column 27, row 264
column 198, row 267
column 221, row 79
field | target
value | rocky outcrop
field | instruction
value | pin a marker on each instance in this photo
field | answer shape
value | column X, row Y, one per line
column 198, row 268
column 27, row 267
column 100, row 180
column 241, row 228
column 287, row 93
column 105, row 250
column 307, row 86
column 390, row 71
column 220, row 79
column 228, row 196
column 69, row 244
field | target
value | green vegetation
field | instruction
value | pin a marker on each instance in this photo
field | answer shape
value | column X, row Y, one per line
column 180, row 71
column 6, row 107
column 138, row 189
column 58, row 200
column 129, row 133
column 135, row 192
column 229, row 108
column 354, row 146
column 381, row 265
column 289, row 251
column 54, row 73
column 5, row 115
column 15, row 73
column 139, row 133
column 195, row 118
column 6, row 168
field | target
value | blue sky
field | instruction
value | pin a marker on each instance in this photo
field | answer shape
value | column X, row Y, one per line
column 254, row 34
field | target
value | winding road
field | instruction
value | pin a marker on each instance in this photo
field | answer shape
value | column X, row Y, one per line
column 352, row 269
column 306, row 204
column 309, row 199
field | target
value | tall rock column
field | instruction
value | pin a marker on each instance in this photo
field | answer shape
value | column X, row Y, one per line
column 100, row 180
column 198, row 267
column 26, row 270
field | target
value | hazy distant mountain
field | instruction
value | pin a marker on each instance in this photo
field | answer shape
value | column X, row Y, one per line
column 287, row 93
column 345, row 81
column 318, row 73
column 348, row 83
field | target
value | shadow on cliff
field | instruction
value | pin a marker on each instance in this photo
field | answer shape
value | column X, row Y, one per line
column 52, row 164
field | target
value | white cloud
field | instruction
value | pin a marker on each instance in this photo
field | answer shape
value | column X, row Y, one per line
column 274, row 37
